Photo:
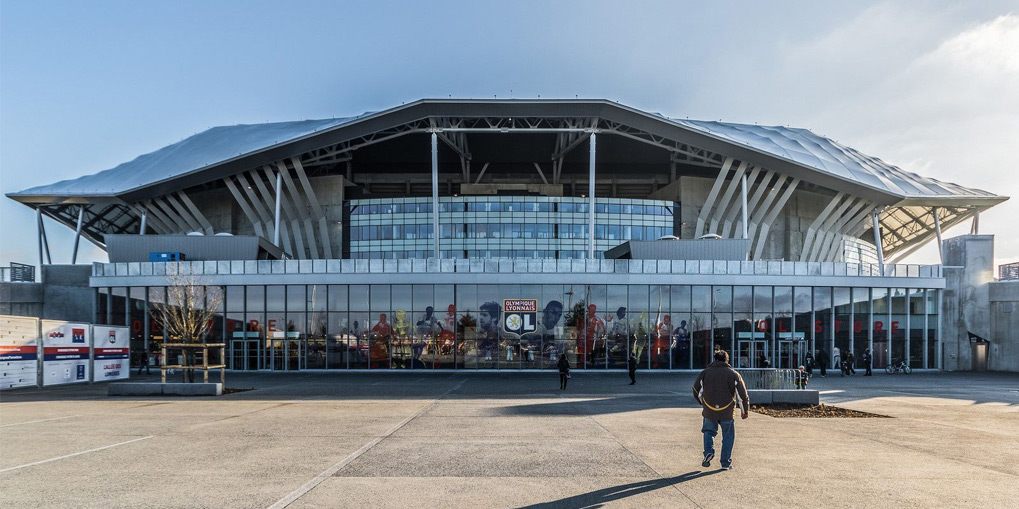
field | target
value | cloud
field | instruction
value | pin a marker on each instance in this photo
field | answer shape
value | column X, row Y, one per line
column 918, row 91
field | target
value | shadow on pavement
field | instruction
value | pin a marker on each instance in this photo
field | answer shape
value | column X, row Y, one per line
column 603, row 496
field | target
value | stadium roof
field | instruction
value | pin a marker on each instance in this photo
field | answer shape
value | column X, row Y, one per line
column 208, row 155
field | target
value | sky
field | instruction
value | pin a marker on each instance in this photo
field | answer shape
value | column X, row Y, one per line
column 930, row 86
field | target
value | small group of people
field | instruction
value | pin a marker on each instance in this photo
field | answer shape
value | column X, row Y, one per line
column 564, row 370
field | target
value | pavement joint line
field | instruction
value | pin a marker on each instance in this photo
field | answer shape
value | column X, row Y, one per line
column 892, row 443
column 653, row 469
column 336, row 467
column 40, row 420
column 50, row 460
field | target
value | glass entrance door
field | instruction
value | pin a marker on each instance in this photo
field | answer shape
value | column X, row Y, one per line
column 791, row 352
column 244, row 354
column 751, row 353
column 287, row 353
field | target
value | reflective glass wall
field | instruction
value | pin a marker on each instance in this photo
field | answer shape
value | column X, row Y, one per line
column 527, row 326
column 501, row 226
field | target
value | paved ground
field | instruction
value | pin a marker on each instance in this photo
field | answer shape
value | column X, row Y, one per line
column 489, row 440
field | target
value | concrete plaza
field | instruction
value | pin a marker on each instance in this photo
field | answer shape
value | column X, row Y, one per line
column 506, row 440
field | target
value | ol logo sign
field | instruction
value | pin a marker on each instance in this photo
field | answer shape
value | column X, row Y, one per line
column 520, row 315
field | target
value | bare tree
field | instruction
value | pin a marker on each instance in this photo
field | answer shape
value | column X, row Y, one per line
column 188, row 313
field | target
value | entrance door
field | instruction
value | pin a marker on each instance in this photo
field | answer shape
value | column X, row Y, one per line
column 244, row 354
column 791, row 351
column 751, row 352
column 286, row 353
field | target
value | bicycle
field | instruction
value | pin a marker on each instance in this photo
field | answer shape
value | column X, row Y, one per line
column 898, row 367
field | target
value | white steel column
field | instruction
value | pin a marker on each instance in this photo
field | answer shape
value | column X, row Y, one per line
column 743, row 196
column 937, row 232
column 141, row 227
column 38, row 232
column 974, row 228
column 44, row 242
column 435, row 191
column 276, row 220
column 876, row 224
column 77, row 235
column 590, row 200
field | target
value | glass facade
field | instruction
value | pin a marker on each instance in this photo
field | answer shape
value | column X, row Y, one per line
column 527, row 326
column 501, row 226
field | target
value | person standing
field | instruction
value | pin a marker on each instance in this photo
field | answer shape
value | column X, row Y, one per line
column 809, row 362
column 631, row 367
column 564, row 371
column 850, row 363
column 144, row 363
column 719, row 388
column 822, row 362
column 867, row 362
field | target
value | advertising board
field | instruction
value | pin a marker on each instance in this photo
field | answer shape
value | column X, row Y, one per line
column 111, row 353
column 19, row 352
column 66, row 348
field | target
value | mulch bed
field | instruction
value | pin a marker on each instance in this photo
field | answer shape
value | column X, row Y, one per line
column 810, row 411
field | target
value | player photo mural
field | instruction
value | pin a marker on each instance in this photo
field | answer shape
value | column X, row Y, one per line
column 488, row 330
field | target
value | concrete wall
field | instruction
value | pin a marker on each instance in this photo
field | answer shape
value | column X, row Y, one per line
column 63, row 294
column 21, row 299
column 1004, row 348
column 969, row 269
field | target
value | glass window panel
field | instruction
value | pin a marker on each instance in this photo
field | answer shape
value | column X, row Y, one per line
column 742, row 298
column 701, row 298
column 681, row 297
column 235, row 298
column 721, row 299
column 255, row 298
column 337, row 297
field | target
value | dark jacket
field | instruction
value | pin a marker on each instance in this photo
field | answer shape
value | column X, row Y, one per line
column 564, row 365
column 631, row 364
column 716, row 389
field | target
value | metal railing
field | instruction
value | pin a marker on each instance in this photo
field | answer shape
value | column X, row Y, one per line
column 1008, row 271
column 768, row 378
column 18, row 273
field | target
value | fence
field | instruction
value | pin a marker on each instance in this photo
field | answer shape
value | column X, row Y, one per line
column 1008, row 271
column 18, row 273
column 769, row 378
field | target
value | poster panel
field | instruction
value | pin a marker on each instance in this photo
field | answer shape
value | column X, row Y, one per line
column 65, row 352
column 19, row 352
column 111, row 353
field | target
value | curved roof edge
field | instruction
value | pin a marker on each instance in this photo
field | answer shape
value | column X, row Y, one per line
column 220, row 149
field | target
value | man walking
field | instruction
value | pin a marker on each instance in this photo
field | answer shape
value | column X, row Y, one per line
column 717, row 388
column 822, row 362
column 866, row 362
column 631, row 367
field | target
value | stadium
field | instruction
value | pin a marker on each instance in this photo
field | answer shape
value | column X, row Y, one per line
column 498, row 234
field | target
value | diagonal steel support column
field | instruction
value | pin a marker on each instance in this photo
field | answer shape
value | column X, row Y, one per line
column 77, row 235
column 937, row 231
column 743, row 193
column 276, row 218
column 877, row 242
column 144, row 221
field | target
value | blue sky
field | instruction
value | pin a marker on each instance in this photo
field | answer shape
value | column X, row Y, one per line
column 84, row 86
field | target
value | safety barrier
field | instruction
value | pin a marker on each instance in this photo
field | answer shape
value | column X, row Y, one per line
column 769, row 378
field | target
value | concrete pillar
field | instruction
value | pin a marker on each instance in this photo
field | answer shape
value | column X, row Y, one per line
column 969, row 268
